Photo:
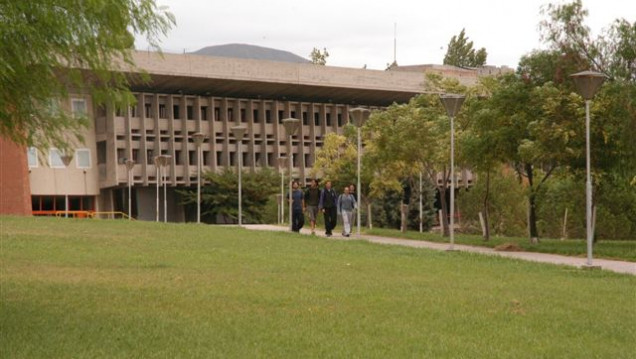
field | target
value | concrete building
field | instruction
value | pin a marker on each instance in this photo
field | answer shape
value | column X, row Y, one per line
column 187, row 94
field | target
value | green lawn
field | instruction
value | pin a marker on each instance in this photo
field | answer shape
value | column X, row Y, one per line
column 120, row 289
column 620, row 250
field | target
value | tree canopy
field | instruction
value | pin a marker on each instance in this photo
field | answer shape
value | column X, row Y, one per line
column 319, row 57
column 50, row 46
column 460, row 52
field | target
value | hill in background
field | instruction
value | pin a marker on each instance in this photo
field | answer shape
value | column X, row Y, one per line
column 244, row 51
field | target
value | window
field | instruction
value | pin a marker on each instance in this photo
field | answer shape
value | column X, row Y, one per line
column 217, row 114
column 148, row 110
column 305, row 119
column 176, row 112
column 204, row 113
column 101, row 152
column 55, row 158
column 268, row 116
column 133, row 110
column 281, row 115
column 83, row 158
column 150, row 157
column 339, row 120
column 328, row 119
column 255, row 118
column 316, row 119
column 162, row 111
column 243, row 115
column 78, row 106
column 32, row 155
column 190, row 112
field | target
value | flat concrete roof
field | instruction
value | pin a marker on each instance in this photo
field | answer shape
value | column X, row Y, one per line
column 245, row 78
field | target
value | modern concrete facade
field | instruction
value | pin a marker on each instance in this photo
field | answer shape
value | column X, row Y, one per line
column 186, row 94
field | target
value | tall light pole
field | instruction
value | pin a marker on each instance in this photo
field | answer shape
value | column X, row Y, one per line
column 282, row 162
column 165, row 160
column 66, row 159
column 359, row 116
column 291, row 127
column 421, row 206
column 239, row 132
column 130, row 164
column 587, row 84
column 198, row 141
column 157, row 161
column 452, row 103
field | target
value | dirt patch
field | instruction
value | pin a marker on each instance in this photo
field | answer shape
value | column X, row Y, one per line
column 508, row 247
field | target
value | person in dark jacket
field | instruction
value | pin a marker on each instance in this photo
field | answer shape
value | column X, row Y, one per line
column 327, row 205
column 312, row 200
column 297, row 204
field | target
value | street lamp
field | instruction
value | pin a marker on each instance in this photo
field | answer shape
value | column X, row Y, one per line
column 291, row 127
column 359, row 116
column 157, row 161
column 66, row 159
column 198, row 141
column 163, row 162
column 239, row 132
column 452, row 103
column 130, row 164
column 587, row 84
column 282, row 162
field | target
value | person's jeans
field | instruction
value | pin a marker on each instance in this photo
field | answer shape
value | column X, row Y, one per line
column 298, row 220
column 347, row 219
column 331, row 218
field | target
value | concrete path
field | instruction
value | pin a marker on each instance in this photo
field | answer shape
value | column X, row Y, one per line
column 605, row 264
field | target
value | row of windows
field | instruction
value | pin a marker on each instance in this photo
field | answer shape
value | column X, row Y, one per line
column 176, row 114
column 82, row 158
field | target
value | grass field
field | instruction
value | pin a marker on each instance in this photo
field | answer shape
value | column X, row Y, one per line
column 119, row 289
column 619, row 250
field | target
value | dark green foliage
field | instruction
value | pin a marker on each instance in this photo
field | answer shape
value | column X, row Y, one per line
column 460, row 52
column 50, row 46
column 219, row 195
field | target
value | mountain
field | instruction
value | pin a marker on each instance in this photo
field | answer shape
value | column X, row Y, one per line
column 244, row 51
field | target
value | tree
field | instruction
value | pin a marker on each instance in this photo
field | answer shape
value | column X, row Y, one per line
column 219, row 197
column 49, row 46
column 460, row 52
column 319, row 57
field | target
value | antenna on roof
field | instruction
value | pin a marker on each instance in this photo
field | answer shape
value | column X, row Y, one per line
column 395, row 42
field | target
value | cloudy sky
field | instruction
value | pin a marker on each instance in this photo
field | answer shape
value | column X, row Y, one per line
column 358, row 32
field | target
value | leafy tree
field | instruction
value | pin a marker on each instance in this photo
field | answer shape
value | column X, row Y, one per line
column 319, row 57
column 219, row 196
column 460, row 52
column 49, row 46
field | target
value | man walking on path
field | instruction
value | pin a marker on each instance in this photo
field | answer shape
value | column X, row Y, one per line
column 298, row 204
column 346, row 205
column 327, row 205
column 312, row 200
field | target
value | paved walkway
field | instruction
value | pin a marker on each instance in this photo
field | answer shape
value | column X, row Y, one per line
column 605, row 264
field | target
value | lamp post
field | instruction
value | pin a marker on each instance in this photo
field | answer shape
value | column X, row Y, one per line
column 157, row 161
column 360, row 116
column 291, row 127
column 452, row 103
column 130, row 164
column 66, row 159
column 421, row 206
column 198, row 141
column 164, row 159
column 239, row 132
column 282, row 162
column 587, row 84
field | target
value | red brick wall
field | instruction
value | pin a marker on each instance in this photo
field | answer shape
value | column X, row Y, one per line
column 15, row 192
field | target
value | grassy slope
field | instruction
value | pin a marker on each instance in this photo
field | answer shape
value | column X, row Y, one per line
column 119, row 289
column 619, row 250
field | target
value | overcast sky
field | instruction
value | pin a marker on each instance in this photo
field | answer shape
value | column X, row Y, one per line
column 359, row 32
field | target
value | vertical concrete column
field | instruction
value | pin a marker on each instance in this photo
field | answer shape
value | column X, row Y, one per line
column 142, row 142
column 277, row 131
column 250, row 136
column 226, row 132
column 156, row 114
column 171, row 169
column 261, row 119
column 212, row 133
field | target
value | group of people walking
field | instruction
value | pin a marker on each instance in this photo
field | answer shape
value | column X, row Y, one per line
column 314, row 200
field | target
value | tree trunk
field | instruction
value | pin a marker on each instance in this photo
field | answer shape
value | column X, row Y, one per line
column 532, row 207
column 442, row 196
column 486, row 205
